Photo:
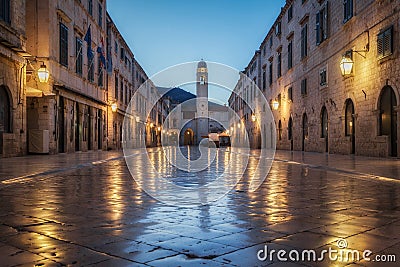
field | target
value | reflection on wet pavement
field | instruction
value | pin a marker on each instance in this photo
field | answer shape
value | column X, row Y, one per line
column 97, row 215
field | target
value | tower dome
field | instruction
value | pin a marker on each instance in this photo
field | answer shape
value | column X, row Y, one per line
column 202, row 64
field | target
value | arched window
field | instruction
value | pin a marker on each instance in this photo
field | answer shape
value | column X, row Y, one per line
column 290, row 129
column 5, row 110
column 305, row 126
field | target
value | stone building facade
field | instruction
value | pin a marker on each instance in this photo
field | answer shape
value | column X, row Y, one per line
column 320, row 109
column 71, row 111
column 125, row 77
column 12, row 78
column 91, row 71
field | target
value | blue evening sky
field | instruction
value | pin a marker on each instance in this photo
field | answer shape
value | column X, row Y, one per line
column 162, row 33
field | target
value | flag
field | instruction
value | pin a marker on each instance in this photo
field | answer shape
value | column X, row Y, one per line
column 100, row 50
column 88, row 39
column 109, row 63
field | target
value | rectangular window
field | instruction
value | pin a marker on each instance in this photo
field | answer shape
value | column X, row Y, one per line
column 322, row 24
column 270, row 73
column 385, row 43
column 304, row 41
column 122, row 55
column 122, row 90
column 278, row 28
column 290, row 94
column 63, row 45
column 290, row 55
column 347, row 10
column 91, row 69
column 90, row 7
column 304, row 87
column 279, row 69
column 271, row 41
column 116, row 86
column 100, row 19
column 116, row 47
column 5, row 11
column 322, row 77
column 264, row 79
column 78, row 55
column 290, row 13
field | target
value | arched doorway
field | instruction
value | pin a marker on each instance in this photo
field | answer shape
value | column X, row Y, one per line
column 304, row 126
column 188, row 138
column 324, row 127
column 388, row 118
column 5, row 114
column 290, row 132
column 350, row 126
column 280, row 130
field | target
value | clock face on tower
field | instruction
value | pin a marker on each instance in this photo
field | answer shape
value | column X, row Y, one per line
column 202, row 70
column 202, row 107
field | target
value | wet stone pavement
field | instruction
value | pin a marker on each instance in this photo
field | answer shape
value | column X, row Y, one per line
column 84, row 209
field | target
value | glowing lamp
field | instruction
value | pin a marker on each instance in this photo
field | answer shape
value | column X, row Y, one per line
column 43, row 73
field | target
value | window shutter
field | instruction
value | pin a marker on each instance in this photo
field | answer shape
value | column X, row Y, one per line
column 318, row 29
column 380, row 45
column 326, row 23
column 387, row 42
column 304, row 87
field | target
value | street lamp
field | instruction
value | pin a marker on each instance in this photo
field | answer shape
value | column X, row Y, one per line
column 43, row 73
column 253, row 117
column 159, row 129
column 346, row 64
column 114, row 107
column 275, row 105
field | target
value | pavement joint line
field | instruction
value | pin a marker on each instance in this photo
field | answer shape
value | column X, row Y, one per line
column 23, row 229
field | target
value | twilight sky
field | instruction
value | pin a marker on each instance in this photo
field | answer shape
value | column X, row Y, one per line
column 164, row 33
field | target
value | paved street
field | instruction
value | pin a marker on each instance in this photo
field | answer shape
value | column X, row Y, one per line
column 84, row 209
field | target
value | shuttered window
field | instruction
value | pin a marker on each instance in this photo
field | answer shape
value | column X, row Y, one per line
column 304, row 87
column 322, row 25
column 279, row 67
column 270, row 73
column 63, row 45
column 5, row 11
column 304, row 41
column 116, row 87
column 347, row 10
column 290, row 94
column 290, row 55
column 385, row 43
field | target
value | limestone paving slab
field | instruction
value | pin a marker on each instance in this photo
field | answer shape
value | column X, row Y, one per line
column 85, row 210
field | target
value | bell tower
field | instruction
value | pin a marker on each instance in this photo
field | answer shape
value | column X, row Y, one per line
column 202, row 101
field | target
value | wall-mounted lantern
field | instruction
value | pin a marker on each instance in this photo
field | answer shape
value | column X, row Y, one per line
column 43, row 73
column 114, row 107
column 346, row 64
column 275, row 105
